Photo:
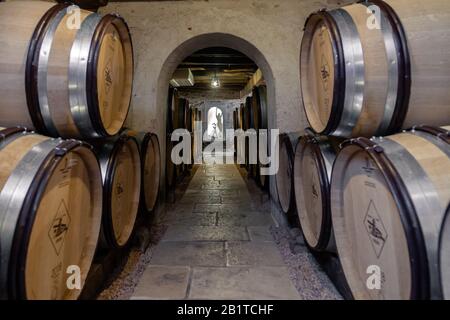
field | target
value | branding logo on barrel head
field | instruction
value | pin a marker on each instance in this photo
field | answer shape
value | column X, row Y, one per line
column 59, row 227
column 325, row 73
column 375, row 229
column 314, row 191
column 108, row 76
column 119, row 189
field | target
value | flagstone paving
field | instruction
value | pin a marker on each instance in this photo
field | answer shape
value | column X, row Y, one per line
column 217, row 246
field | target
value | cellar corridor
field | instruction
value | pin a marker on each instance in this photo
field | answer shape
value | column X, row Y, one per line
column 219, row 245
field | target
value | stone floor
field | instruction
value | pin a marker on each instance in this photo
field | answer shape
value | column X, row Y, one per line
column 218, row 245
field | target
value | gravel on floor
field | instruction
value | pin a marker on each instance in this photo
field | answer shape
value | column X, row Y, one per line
column 306, row 274
column 124, row 280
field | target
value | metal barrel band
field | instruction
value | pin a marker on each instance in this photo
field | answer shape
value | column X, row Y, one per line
column 441, row 133
column 78, row 77
column 394, row 76
column 363, row 143
column 354, row 69
column 43, row 54
column 5, row 133
column 32, row 64
column 325, row 228
column 404, row 66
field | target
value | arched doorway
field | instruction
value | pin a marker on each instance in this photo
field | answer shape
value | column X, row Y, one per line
column 215, row 129
column 213, row 40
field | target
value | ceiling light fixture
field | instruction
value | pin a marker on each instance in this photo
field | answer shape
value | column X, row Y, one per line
column 215, row 82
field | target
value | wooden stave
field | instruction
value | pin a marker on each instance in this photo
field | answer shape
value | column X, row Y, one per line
column 289, row 141
column 107, row 153
column 325, row 154
column 407, row 45
column 39, row 163
column 86, row 123
column 425, row 275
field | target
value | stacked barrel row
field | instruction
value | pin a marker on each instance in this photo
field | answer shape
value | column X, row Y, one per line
column 252, row 115
column 180, row 116
column 379, row 203
column 61, row 198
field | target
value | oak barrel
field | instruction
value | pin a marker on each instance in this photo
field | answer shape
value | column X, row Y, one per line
column 171, row 174
column 389, row 197
column 50, row 214
column 149, row 150
column 241, row 116
column 120, row 163
column 368, row 74
column 172, row 105
column 284, row 177
column 259, row 105
column 197, row 137
column 314, row 158
column 60, row 79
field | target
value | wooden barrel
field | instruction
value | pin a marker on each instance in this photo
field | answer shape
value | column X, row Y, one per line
column 188, row 117
column 241, row 116
column 50, row 214
column 197, row 137
column 389, row 197
column 259, row 105
column 151, row 167
column 314, row 158
column 247, row 125
column 284, row 177
column 182, row 111
column 172, row 105
column 121, row 172
column 358, row 79
column 59, row 79
column 171, row 174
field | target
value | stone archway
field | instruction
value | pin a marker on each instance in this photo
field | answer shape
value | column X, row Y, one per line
column 203, row 41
